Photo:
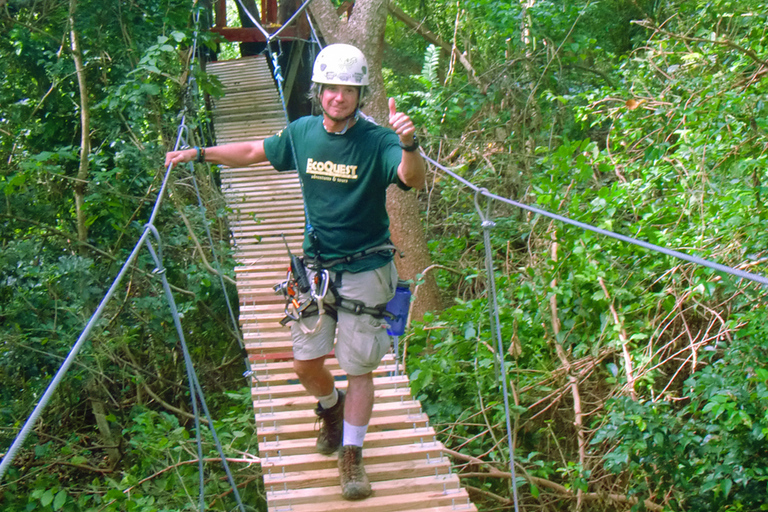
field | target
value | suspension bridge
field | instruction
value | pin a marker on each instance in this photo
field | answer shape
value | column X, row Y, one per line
column 403, row 459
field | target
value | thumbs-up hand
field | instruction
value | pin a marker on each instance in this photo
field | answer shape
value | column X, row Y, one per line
column 401, row 123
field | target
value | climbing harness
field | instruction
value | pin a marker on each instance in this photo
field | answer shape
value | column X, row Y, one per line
column 318, row 295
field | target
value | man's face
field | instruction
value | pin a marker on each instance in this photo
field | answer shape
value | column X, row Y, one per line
column 339, row 101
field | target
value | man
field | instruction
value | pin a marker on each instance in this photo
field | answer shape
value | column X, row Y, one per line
column 345, row 164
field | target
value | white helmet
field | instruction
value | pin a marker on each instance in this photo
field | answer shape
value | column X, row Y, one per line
column 340, row 64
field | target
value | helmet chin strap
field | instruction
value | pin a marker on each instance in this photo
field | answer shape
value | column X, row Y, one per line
column 349, row 118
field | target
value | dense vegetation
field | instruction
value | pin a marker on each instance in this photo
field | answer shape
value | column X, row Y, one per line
column 118, row 434
column 637, row 381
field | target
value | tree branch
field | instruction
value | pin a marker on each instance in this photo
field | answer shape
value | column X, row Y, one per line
column 433, row 38
column 722, row 42
column 199, row 247
column 624, row 341
column 546, row 484
column 577, row 411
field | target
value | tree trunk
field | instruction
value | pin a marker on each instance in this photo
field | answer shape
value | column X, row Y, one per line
column 365, row 30
column 85, row 123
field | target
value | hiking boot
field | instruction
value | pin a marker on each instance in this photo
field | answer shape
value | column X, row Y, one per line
column 331, row 427
column 354, row 482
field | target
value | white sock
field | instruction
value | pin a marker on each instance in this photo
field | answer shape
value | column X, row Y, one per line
column 354, row 435
column 326, row 402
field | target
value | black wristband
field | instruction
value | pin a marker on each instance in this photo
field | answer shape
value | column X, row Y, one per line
column 200, row 155
column 412, row 147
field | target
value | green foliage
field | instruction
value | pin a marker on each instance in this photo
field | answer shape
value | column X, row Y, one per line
column 136, row 59
column 711, row 450
column 657, row 135
column 160, row 471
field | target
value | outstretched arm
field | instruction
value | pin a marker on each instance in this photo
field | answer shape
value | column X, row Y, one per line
column 238, row 154
column 412, row 170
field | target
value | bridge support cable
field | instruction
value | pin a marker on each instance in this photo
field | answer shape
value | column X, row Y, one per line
column 54, row 384
column 487, row 225
column 588, row 227
column 267, row 36
column 493, row 309
column 195, row 388
column 37, row 411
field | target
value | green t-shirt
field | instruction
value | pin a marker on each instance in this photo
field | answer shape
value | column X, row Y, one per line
column 344, row 179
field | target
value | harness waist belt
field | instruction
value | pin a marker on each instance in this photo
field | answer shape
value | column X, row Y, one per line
column 350, row 306
column 315, row 263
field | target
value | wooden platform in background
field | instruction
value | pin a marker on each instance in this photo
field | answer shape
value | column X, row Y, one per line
column 402, row 457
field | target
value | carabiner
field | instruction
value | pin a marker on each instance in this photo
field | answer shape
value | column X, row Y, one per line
column 295, row 317
column 324, row 278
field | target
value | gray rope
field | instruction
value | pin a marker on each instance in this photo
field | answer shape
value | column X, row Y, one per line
column 646, row 245
column 493, row 310
column 267, row 36
column 291, row 19
column 196, row 390
column 54, row 384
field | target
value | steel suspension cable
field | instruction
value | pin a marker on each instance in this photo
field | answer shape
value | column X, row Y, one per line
column 487, row 224
column 53, row 385
column 267, row 36
column 493, row 310
column 194, row 384
column 195, row 388
column 588, row 227
column 291, row 19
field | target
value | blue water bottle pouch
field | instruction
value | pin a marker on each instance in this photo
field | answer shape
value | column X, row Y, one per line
column 399, row 306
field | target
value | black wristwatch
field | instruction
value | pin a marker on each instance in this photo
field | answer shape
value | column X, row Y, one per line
column 412, row 147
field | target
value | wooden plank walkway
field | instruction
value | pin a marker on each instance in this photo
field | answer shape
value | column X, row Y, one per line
column 404, row 462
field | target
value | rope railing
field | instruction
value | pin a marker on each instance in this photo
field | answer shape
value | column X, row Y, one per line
column 197, row 396
column 198, row 400
column 588, row 227
column 488, row 224
column 267, row 36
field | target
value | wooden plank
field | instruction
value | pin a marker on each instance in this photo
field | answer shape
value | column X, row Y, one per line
column 389, row 438
column 298, row 390
column 305, row 401
column 440, row 483
column 330, row 477
column 379, row 455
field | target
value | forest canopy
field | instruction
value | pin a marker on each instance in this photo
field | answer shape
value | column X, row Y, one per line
column 638, row 380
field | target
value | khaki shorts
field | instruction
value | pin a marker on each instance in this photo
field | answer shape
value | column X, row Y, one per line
column 362, row 340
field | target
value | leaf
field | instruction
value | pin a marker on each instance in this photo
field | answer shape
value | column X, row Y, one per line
column 61, row 499
column 727, row 484
column 47, row 498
